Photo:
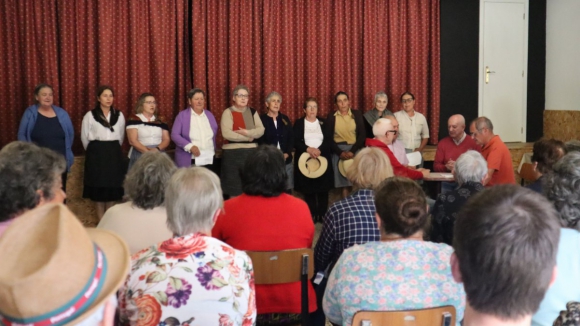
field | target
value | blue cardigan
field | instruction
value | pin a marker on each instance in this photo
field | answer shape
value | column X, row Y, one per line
column 29, row 120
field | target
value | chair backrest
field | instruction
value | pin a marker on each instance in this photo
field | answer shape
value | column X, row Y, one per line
column 527, row 172
column 285, row 266
column 439, row 316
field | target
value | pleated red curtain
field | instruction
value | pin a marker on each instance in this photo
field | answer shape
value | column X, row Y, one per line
column 297, row 48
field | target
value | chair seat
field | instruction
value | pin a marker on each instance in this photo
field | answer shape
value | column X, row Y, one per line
column 438, row 316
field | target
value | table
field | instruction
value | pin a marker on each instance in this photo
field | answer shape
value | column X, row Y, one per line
column 439, row 176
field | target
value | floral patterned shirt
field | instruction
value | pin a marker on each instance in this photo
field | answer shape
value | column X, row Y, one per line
column 395, row 275
column 187, row 281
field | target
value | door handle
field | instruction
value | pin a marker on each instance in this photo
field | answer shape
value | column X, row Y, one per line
column 487, row 72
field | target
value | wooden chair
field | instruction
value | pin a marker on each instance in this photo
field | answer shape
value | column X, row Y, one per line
column 285, row 266
column 439, row 316
column 527, row 173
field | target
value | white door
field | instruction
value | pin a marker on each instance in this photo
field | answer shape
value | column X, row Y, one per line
column 503, row 67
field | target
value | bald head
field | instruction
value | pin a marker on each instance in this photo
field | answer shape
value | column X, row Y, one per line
column 456, row 126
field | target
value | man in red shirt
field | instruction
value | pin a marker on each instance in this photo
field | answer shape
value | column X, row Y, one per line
column 450, row 148
column 495, row 152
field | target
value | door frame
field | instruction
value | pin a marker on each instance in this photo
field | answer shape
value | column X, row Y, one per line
column 481, row 74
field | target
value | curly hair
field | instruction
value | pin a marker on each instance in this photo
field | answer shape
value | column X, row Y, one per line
column 562, row 187
column 28, row 173
column 146, row 181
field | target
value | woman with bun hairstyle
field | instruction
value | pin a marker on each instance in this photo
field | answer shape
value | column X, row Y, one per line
column 399, row 272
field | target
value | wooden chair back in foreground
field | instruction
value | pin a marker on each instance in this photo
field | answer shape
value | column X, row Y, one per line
column 285, row 266
column 439, row 316
column 527, row 173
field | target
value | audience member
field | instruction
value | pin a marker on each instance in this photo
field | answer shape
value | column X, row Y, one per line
column 399, row 272
column 384, row 136
column 562, row 188
column 30, row 176
column 48, row 125
column 264, row 218
column 191, row 278
column 278, row 132
column 572, row 146
column 346, row 130
column 55, row 272
column 546, row 153
column 146, row 130
column 499, row 160
column 194, row 132
column 452, row 146
column 141, row 222
column 309, row 139
column 570, row 316
column 102, row 134
column 397, row 147
column 241, row 127
column 469, row 171
column 413, row 128
column 506, row 240
column 379, row 111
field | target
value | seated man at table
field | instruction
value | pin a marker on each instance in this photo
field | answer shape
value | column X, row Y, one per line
column 506, row 243
column 384, row 136
column 500, row 169
column 397, row 146
column 457, row 143
column 469, row 171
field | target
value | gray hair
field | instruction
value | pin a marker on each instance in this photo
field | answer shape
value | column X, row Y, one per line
column 379, row 95
column 470, row 167
column 483, row 122
column 562, row 187
column 146, row 181
column 24, row 170
column 573, row 146
column 381, row 126
column 239, row 87
column 192, row 197
column 272, row 94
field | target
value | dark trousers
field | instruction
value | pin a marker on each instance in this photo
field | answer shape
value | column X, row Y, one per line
column 318, row 204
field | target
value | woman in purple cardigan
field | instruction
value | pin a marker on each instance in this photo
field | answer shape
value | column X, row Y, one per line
column 194, row 132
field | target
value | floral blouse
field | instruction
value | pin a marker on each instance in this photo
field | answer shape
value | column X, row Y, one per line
column 187, row 281
column 395, row 275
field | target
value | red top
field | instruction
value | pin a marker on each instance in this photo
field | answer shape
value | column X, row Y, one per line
column 448, row 150
column 398, row 168
column 238, row 120
column 257, row 223
column 498, row 157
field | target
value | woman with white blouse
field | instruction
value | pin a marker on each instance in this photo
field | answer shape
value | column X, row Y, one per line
column 102, row 133
column 413, row 128
column 146, row 131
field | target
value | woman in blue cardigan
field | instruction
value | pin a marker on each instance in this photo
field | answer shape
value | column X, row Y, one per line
column 48, row 125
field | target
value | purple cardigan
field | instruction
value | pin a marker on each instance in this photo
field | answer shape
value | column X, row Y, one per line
column 180, row 135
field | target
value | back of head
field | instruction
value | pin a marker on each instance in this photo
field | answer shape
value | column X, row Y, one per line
column 562, row 187
column 506, row 240
column 572, row 146
column 470, row 167
column 27, row 174
column 402, row 207
column 546, row 153
column 370, row 167
column 192, row 198
column 146, row 181
column 264, row 172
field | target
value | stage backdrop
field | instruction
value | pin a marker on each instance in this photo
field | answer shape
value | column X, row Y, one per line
column 297, row 48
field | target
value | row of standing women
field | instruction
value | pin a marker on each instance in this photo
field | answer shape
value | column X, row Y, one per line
column 194, row 132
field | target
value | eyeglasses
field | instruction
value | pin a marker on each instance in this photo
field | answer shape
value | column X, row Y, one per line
column 407, row 100
column 393, row 131
column 242, row 95
column 151, row 102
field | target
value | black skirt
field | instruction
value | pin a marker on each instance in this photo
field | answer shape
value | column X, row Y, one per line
column 105, row 169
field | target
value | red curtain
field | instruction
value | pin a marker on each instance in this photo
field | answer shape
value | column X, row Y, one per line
column 297, row 48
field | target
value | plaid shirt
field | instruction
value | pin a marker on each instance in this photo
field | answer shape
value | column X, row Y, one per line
column 348, row 222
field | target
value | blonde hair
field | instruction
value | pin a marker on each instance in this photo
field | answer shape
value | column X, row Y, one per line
column 371, row 166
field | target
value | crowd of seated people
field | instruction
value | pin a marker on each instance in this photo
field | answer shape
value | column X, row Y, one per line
column 380, row 247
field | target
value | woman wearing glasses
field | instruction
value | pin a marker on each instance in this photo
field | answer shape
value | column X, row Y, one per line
column 413, row 128
column 102, row 134
column 146, row 131
column 384, row 136
column 241, row 127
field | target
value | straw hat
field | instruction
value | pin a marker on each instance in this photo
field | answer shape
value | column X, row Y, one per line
column 56, row 272
column 312, row 167
column 343, row 166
